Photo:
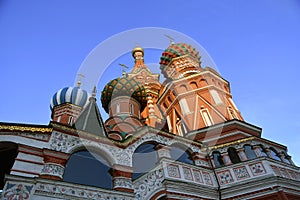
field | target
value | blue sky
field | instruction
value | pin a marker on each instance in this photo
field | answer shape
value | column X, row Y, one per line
column 255, row 45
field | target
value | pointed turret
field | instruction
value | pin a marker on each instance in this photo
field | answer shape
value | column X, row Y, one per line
column 90, row 119
column 138, row 55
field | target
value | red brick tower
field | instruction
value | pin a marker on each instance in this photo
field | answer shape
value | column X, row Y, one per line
column 193, row 97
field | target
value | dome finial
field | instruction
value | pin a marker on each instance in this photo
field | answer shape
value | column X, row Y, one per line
column 78, row 84
column 80, row 77
column 170, row 38
column 138, row 52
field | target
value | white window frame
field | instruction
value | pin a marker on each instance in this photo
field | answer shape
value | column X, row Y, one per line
column 179, row 126
column 206, row 117
column 131, row 109
column 169, row 123
column 118, row 108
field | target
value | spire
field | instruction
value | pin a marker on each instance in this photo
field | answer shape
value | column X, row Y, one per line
column 78, row 83
column 94, row 92
column 80, row 76
column 123, row 69
column 170, row 38
column 90, row 119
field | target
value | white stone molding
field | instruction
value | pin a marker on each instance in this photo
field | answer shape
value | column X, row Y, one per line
column 69, row 144
column 53, row 169
column 147, row 185
column 121, row 182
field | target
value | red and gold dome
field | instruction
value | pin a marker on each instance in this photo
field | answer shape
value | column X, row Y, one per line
column 175, row 51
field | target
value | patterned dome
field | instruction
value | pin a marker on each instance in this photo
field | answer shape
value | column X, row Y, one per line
column 73, row 95
column 123, row 87
column 177, row 50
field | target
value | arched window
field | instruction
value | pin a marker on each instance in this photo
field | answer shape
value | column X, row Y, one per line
column 169, row 99
column 8, row 154
column 131, row 109
column 219, row 84
column 214, row 82
column 183, row 88
column 163, row 198
column 118, row 108
column 274, row 154
column 173, row 94
column 263, row 151
column 249, row 152
column 193, row 85
column 165, row 105
column 218, row 159
column 144, row 159
column 181, row 155
column 203, row 82
column 88, row 168
column 234, row 157
column 286, row 158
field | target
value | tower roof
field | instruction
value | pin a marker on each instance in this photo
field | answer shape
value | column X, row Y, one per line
column 90, row 119
column 176, row 50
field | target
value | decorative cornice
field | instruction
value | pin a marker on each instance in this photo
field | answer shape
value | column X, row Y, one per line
column 226, row 124
column 147, row 129
column 26, row 128
column 253, row 138
column 62, row 127
column 232, row 143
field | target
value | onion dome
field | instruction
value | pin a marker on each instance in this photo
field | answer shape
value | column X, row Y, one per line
column 123, row 87
column 177, row 50
column 72, row 95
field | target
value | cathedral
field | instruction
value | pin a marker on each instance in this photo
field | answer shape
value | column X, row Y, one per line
column 183, row 138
